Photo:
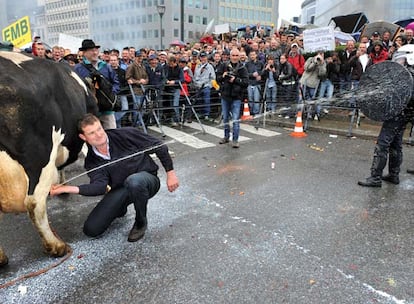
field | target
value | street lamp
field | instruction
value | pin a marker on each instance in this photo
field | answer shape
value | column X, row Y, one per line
column 161, row 11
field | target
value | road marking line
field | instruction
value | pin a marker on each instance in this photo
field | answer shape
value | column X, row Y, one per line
column 214, row 131
column 183, row 137
column 260, row 131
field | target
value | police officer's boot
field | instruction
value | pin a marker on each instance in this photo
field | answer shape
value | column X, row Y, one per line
column 410, row 171
column 394, row 163
column 372, row 181
column 378, row 164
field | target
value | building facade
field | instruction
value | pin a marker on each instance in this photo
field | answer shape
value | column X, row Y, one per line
column 386, row 10
column 120, row 23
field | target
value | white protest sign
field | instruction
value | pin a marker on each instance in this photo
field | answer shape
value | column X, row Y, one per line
column 70, row 42
column 322, row 38
column 222, row 28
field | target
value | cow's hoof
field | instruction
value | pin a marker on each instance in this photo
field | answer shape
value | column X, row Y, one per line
column 58, row 250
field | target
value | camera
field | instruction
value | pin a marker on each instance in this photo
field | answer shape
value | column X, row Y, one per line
column 229, row 75
column 271, row 66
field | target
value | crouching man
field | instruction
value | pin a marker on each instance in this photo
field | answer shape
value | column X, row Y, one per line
column 131, row 181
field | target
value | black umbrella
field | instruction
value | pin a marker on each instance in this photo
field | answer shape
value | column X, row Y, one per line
column 380, row 27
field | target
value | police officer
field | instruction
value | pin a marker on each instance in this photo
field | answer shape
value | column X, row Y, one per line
column 391, row 135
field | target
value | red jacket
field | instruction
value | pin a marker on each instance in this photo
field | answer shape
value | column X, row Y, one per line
column 379, row 57
column 298, row 62
column 187, row 80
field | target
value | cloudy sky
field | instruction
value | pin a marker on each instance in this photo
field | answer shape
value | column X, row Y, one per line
column 289, row 8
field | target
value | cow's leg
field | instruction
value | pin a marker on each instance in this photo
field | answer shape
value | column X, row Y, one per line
column 14, row 184
column 3, row 258
column 36, row 203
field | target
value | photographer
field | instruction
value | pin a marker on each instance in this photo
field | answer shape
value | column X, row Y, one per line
column 328, row 82
column 315, row 70
column 233, row 79
column 270, row 74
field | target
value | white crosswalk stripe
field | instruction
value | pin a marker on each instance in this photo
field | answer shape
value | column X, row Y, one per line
column 183, row 137
column 214, row 131
column 258, row 131
column 197, row 143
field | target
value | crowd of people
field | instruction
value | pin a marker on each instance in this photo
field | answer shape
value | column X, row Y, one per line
column 278, row 74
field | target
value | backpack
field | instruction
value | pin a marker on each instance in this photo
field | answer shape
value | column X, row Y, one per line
column 107, row 100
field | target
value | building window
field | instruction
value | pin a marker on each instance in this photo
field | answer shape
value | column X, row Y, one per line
column 190, row 18
column 176, row 32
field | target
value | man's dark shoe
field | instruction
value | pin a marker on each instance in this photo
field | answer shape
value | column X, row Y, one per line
column 411, row 171
column 393, row 179
column 371, row 182
column 223, row 141
column 137, row 232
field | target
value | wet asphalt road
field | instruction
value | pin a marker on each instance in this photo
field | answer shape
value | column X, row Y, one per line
column 236, row 231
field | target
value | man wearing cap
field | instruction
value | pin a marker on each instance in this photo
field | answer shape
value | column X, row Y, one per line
column 375, row 37
column 194, row 60
column 188, row 78
column 91, row 62
column 105, row 55
column 203, row 75
column 162, row 58
column 155, row 72
column 156, row 81
column 136, row 75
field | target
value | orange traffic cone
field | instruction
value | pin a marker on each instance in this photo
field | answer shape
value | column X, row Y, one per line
column 298, row 131
column 246, row 111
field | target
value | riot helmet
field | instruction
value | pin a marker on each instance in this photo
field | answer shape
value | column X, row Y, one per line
column 404, row 55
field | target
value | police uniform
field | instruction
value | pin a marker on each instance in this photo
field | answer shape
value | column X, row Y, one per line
column 389, row 143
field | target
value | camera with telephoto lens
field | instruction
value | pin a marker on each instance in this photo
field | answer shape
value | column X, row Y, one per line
column 271, row 66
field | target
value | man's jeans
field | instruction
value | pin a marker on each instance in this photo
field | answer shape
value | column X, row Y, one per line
column 271, row 94
column 176, row 105
column 137, row 105
column 205, row 95
column 138, row 188
column 232, row 108
column 326, row 89
column 253, row 94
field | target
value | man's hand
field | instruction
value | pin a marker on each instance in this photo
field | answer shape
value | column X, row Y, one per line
column 172, row 181
column 60, row 189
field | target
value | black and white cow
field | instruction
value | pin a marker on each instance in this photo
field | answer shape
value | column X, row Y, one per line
column 40, row 104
